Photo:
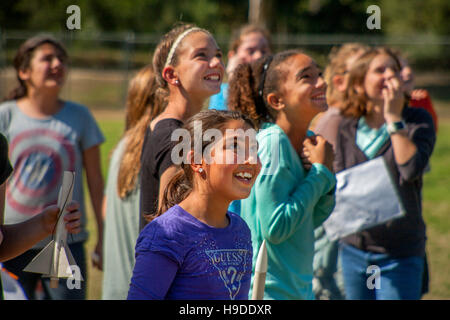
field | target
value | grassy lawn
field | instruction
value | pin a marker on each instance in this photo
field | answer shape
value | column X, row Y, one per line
column 112, row 128
column 436, row 206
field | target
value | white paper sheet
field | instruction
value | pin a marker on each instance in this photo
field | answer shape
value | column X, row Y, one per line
column 365, row 197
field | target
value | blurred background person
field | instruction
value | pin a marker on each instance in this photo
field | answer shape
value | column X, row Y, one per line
column 328, row 283
column 340, row 60
column 379, row 123
column 247, row 44
column 418, row 98
column 48, row 136
column 122, row 192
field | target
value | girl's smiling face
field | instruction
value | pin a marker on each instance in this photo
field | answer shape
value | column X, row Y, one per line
column 47, row 68
column 304, row 89
column 199, row 65
column 234, row 164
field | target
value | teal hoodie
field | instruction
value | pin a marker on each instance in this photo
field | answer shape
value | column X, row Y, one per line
column 285, row 205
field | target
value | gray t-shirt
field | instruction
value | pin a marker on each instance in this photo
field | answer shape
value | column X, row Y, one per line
column 40, row 150
column 121, row 232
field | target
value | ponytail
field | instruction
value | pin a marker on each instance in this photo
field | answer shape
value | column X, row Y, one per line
column 130, row 164
column 178, row 188
column 18, row 92
column 251, row 83
column 142, row 107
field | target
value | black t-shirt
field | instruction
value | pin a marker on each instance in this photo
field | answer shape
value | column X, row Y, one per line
column 5, row 165
column 155, row 159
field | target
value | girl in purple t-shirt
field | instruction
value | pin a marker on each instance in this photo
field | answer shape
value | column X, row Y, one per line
column 197, row 249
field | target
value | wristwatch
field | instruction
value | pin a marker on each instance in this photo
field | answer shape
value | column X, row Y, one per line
column 394, row 127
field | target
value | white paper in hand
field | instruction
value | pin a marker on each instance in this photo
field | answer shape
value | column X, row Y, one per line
column 365, row 197
column 56, row 260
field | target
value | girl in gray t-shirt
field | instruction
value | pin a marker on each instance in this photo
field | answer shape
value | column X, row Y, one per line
column 48, row 136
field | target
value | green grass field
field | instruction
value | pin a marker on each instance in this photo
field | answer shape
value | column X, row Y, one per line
column 436, row 206
column 112, row 128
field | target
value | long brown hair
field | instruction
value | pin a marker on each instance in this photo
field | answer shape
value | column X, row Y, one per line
column 355, row 102
column 23, row 58
column 251, row 83
column 181, row 184
column 141, row 108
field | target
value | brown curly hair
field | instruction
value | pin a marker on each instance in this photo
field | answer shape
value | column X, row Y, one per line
column 244, row 87
column 355, row 102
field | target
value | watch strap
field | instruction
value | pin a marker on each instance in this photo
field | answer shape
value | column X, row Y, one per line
column 394, row 127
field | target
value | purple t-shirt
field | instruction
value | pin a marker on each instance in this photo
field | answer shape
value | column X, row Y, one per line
column 180, row 257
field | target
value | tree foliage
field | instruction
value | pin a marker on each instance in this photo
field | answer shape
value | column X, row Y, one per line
column 287, row 16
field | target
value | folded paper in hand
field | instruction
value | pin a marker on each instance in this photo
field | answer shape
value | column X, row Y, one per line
column 365, row 197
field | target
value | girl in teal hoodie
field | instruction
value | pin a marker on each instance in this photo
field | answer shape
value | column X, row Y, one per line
column 294, row 192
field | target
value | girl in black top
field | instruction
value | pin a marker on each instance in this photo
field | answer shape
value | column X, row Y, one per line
column 189, row 69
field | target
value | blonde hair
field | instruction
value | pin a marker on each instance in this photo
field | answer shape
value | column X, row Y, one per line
column 141, row 107
column 338, row 58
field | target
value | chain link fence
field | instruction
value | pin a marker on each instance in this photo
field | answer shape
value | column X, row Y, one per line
column 101, row 64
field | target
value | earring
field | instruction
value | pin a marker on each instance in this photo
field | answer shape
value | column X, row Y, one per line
column 177, row 82
column 200, row 170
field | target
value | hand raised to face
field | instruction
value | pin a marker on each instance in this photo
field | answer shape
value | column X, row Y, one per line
column 394, row 98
